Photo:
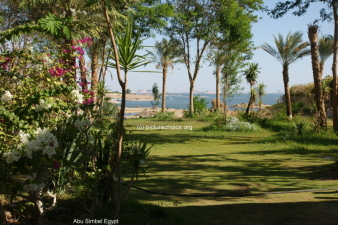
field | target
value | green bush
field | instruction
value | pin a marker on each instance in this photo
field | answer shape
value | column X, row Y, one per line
column 200, row 105
column 164, row 115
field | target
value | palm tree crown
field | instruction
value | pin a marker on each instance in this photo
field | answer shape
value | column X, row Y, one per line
column 289, row 50
column 325, row 48
column 251, row 73
column 166, row 54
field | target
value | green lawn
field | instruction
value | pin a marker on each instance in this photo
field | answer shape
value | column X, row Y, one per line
column 197, row 162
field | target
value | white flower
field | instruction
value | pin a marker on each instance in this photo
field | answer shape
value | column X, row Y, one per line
column 48, row 150
column 77, row 96
column 73, row 11
column 43, row 106
column 80, row 124
column 24, row 137
column 6, row 97
column 12, row 156
column 44, row 141
column 47, row 60
column 80, row 112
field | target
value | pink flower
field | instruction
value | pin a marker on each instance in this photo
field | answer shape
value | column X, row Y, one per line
column 92, row 92
column 89, row 101
column 5, row 63
column 57, row 71
column 85, row 91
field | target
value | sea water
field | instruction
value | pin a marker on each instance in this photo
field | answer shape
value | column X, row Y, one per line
column 181, row 100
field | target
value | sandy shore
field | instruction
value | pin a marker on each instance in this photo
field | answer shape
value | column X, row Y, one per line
column 149, row 112
column 116, row 98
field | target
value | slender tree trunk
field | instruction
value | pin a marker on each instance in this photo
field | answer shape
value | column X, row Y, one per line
column 83, row 70
column 317, row 76
column 250, row 101
column 121, row 120
column 164, row 84
column 191, row 96
column 94, row 68
column 225, row 92
column 287, row 91
column 334, row 66
column 225, row 109
column 218, row 98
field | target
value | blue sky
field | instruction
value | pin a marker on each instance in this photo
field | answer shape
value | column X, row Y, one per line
column 271, row 70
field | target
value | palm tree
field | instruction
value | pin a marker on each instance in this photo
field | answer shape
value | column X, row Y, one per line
column 260, row 90
column 166, row 55
column 317, row 69
column 251, row 75
column 325, row 50
column 287, row 52
column 218, row 59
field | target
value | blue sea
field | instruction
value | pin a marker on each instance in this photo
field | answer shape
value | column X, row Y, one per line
column 181, row 100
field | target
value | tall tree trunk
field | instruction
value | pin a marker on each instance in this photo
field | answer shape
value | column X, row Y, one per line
column 191, row 96
column 250, row 101
column 164, row 84
column 225, row 92
column 287, row 91
column 317, row 76
column 121, row 120
column 334, row 66
column 94, row 68
column 83, row 70
column 218, row 98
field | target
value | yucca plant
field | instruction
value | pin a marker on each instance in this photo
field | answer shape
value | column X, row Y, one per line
column 125, row 57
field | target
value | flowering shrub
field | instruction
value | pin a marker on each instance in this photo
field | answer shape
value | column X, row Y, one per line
column 6, row 97
column 38, row 94
column 50, row 134
column 232, row 124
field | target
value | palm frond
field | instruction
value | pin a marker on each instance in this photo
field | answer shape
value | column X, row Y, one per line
column 288, row 50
